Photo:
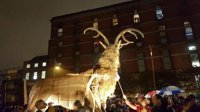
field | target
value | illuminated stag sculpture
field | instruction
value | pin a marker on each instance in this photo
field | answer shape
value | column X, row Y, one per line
column 96, row 84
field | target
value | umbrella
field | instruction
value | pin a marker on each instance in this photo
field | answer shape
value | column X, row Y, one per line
column 170, row 90
column 150, row 94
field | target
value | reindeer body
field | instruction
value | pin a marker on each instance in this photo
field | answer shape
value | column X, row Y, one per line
column 95, row 84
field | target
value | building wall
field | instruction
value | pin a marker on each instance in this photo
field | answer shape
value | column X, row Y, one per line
column 176, row 12
column 40, row 60
column 7, row 75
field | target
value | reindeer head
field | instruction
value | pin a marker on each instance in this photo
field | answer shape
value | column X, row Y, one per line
column 110, row 56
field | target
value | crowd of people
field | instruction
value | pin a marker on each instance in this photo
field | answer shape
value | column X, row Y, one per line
column 157, row 103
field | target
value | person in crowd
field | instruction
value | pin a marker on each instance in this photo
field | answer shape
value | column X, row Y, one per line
column 87, row 106
column 78, row 107
column 141, row 106
column 119, row 106
column 51, row 108
column 25, row 108
column 159, row 105
column 171, row 104
column 190, row 104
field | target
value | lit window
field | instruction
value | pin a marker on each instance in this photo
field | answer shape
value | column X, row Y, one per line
column 44, row 64
column 192, row 48
column 27, row 76
column 186, row 24
column 95, row 23
column 115, row 20
column 35, row 75
column 195, row 63
column 188, row 30
column 36, row 65
column 195, row 60
column 159, row 13
column 28, row 66
column 60, row 32
column 136, row 17
column 43, row 74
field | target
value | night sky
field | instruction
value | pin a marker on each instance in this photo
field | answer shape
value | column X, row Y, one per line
column 25, row 26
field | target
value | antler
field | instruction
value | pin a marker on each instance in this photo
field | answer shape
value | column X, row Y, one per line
column 99, row 33
column 128, row 30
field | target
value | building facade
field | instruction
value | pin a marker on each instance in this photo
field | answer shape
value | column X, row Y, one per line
column 171, row 29
column 8, row 75
column 35, row 69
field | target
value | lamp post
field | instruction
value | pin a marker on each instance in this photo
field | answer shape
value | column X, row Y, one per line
column 152, row 65
column 55, row 68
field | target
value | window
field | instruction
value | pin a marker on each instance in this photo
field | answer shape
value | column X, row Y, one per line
column 167, row 63
column 77, row 53
column 35, row 75
column 166, row 60
column 43, row 75
column 195, row 60
column 141, row 62
column 77, row 66
column 77, row 69
column 115, row 20
column 36, row 65
column 163, row 40
column 188, row 30
column 136, row 17
column 197, row 79
column 162, row 34
column 192, row 48
column 159, row 13
column 119, row 70
column 96, row 47
column 60, row 44
column 139, row 44
column 59, row 55
column 60, row 32
column 162, row 28
column 95, row 23
column 187, row 24
column 162, row 31
column 28, row 66
column 44, row 64
column 27, row 76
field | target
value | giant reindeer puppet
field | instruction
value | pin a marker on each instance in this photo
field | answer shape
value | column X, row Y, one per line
column 96, row 84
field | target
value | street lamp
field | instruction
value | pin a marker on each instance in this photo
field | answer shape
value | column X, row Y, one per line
column 57, row 67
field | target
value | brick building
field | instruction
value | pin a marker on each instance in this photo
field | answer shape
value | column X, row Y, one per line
column 171, row 29
column 7, row 75
column 35, row 68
